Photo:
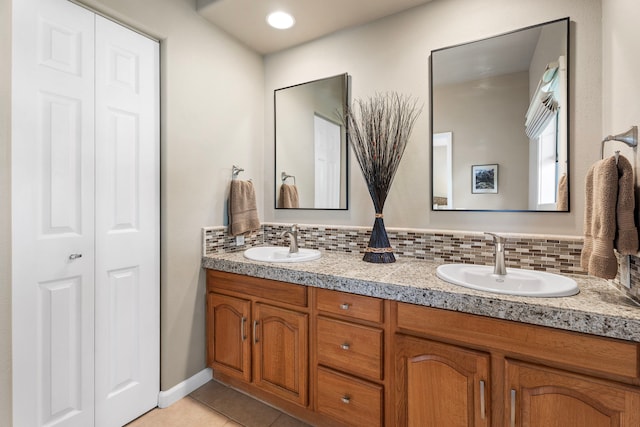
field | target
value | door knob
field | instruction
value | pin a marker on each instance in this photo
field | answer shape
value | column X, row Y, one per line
column 75, row 256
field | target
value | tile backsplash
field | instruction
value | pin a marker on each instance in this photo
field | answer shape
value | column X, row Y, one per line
column 556, row 254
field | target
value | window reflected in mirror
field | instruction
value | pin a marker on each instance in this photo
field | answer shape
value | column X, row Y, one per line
column 502, row 101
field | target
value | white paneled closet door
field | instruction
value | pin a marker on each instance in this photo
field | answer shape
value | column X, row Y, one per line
column 127, row 224
column 53, row 214
column 85, row 185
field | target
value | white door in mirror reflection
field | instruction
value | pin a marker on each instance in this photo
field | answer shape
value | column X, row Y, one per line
column 327, row 163
column 442, row 171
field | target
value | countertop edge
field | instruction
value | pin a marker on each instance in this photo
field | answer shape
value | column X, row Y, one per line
column 523, row 310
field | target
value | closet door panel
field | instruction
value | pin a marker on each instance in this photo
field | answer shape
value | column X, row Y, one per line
column 53, row 214
column 127, row 224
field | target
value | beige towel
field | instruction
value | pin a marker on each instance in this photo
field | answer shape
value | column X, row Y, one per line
column 563, row 194
column 609, row 206
column 288, row 197
column 243, row 211
column 626, row 241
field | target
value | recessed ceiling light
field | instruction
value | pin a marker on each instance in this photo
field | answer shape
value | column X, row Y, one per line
column 280, row 20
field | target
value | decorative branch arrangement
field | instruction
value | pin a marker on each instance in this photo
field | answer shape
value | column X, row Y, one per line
column 379, row 129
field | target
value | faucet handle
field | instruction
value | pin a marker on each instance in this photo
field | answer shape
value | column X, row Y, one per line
column 294, row 227
column 496, row 237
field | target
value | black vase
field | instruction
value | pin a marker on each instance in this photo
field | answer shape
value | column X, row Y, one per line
column 379, row 249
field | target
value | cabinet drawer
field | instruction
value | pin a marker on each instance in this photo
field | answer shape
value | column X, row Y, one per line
column 591, row 354
column 349, row 347
column 350, row 305
column 263, row 288
column 353, row 402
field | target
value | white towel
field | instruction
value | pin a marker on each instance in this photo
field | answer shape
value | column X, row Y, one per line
column 243, row 211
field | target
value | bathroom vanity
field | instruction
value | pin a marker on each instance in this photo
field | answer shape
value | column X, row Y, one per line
column 338, row 341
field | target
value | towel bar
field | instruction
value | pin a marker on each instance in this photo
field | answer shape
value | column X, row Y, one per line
column 235, row 171
column 284, row 177
column 629, row 137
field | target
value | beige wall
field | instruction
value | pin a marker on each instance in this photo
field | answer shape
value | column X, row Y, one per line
column 392, row 54
column 486, row 117
column 5, row 213
column 621, row 81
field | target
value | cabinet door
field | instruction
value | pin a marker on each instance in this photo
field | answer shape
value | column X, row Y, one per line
column 281, row 352
column 440, row 384
column 541, row 397
column 229, row 349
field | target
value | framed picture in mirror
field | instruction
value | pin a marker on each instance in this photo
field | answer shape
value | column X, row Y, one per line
column 506, row 99
column 484, row 179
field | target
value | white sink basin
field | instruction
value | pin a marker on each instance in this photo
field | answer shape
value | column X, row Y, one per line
column 519, row 282
column 280, row 254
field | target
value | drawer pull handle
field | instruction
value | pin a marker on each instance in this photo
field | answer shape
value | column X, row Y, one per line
column 242, row 328
column 346, row 399
column 482, row 403
column 345, row 306
column 513, row 408
column 255, row 332
column 345, row 346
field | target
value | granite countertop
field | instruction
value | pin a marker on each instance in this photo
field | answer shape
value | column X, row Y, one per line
column 599, row 308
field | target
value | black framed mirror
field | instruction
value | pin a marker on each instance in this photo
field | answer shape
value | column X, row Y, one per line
column 311, row 146
column 501, row 104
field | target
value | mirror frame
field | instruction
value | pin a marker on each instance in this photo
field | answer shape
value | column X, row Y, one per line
column 347, row 96
column 568, row 118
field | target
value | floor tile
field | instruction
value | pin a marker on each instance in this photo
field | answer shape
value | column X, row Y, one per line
column 285, row 420
column 216, row 405
column 186, row 412
column 245, row 410
column 213, row 392
column 241, row 408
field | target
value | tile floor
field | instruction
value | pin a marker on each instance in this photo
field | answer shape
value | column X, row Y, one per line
column 216, row 405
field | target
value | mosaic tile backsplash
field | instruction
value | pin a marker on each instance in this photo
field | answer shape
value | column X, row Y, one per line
column 556, row 254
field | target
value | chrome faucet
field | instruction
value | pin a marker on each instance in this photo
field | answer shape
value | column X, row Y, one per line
column 499, row 242
column 293, row 238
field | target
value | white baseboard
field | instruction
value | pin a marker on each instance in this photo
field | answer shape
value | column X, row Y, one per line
column 177, row 392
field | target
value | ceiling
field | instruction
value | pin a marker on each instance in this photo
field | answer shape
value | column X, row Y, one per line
column 246, row 19
column 495, row 56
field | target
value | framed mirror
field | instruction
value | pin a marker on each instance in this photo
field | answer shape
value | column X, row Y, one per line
column 311, row 148
column 501, row 103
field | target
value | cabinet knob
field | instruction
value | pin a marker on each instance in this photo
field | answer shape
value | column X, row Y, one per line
column 75, row 256
column 345, row 306
column 345, row 346
column 346, row 399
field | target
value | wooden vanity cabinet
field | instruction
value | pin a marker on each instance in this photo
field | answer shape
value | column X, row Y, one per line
column 532, row 376
column 281, row 358
column 257, row 332
column 441, row 384
column 338, row 359
column 228, row 342
column 536, row 396
column 349, row 358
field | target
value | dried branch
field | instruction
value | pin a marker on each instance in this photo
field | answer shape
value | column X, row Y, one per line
column 379, row 129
